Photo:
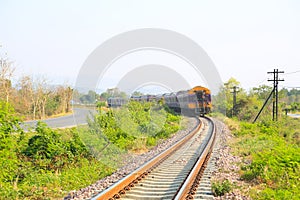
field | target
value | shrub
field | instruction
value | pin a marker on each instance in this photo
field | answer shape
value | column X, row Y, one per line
column 219, row 188
column 49, row 151
column 131, row 126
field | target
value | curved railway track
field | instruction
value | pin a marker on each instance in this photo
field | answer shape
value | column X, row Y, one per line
column 173, row 174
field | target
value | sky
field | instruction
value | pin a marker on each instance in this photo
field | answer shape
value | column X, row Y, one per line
column 244, row 39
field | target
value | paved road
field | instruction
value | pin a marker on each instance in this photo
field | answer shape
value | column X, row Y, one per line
column 78, row 117
column 294, row 115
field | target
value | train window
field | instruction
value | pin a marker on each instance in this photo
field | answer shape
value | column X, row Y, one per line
column 199, row 95
column 192, row 98
column 208, row 97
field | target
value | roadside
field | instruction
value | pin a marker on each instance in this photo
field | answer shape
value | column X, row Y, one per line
column 295, row 115
column 52, row 116
column 78, row 117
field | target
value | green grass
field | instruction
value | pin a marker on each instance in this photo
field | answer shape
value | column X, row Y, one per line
column 273, row 151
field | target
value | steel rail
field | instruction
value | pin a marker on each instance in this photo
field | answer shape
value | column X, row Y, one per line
column 119, row 188
column 192, row 181
column 169, row 179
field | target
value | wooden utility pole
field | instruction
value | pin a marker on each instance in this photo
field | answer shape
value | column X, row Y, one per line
column 234, row 92
column 275, row 93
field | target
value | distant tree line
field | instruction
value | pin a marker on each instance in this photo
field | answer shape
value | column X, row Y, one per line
column 36, row 98
column 31, row 97
column 92, row 97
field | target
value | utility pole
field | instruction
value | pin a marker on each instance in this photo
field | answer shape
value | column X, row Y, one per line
column 275, row 92
column 234, row 92
column 275, row 95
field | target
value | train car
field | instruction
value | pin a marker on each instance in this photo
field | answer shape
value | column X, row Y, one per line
column 116, row 101
column 171, row 101
column 119, row 101
column 200, row 100
column 136, row 98
column 148, row 98
column 196, row 101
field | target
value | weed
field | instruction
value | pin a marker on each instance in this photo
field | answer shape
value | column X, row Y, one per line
column 219, row 188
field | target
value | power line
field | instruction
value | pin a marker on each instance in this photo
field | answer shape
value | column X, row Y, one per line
column 262, row 81
column 294, row 72
column 283, row 86
column 298, row 71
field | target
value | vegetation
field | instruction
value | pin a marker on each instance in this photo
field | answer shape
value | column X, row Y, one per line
column 271, row 157
column 220, row 188
column 45, row 163
column 32, row 98
column 136, row 126
column 48, row 163
column 270, row 150
column 36, row 98
column 249, row 103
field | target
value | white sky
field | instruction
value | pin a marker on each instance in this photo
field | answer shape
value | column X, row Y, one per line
column 245, row 39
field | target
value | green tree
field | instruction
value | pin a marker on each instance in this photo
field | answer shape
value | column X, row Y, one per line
column 262, row 92
column 9, row 127
column 223, row 101
column 113, row 92
column 89, row 98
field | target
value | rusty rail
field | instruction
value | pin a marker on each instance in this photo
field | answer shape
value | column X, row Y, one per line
column 125, row 184
column 192, row 181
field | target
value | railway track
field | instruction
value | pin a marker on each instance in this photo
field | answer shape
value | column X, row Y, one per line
column 173, row 174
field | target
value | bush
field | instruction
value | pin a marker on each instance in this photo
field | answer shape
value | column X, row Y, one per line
column 49, row 151
column 135, row 126
column 219, row 188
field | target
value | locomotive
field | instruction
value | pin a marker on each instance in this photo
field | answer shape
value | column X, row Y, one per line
column 196, row 101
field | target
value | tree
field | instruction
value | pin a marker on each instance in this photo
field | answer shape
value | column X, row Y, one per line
column 89, row 98
column 112, row 92
column 45, row 93
column 6, row 73
column 9, row 127
column 64, row 97
column 36, row 94
column 262, row 92
column 223, row 101
column 137, row 93
column 68, row 94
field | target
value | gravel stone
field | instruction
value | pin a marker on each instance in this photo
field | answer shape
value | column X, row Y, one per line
column 130, row 165
column 227, row 165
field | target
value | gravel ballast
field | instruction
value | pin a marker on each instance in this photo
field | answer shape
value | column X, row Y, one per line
column 130, row 165
column 227, row 165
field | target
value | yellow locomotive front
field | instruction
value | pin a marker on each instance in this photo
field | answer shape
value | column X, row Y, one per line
column 201, row 101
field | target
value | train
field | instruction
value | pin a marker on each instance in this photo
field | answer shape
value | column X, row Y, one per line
column 195, row 101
